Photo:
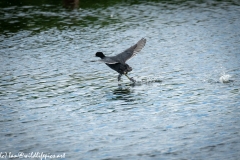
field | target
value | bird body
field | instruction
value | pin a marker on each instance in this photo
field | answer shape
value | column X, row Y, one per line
column 118, row 62
column 120, row 68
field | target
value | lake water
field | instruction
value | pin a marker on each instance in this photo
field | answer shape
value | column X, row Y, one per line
column 185, row 104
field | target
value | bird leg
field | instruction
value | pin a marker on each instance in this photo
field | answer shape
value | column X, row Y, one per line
column 119, row 77
column 131, row 79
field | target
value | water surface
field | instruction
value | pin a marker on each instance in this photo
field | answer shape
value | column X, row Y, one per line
column 54, row 100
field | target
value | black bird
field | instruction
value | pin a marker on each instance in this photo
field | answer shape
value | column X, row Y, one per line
column 118, row 62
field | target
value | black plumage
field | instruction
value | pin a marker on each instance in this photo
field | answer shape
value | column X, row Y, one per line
column 118, row 62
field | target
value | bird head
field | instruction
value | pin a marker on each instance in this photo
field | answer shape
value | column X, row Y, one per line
column 100, row 54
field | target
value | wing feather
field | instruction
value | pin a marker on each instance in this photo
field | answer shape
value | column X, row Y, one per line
column 130, row 52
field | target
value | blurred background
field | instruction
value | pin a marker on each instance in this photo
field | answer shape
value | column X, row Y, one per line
column 185, row 104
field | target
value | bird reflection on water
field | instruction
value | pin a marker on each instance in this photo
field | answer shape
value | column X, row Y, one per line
column 121, row 93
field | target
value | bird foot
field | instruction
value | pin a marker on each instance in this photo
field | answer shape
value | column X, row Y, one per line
column 131, row 79
column 119, row 77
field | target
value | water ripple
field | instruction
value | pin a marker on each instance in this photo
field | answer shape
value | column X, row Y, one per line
column 53, row 99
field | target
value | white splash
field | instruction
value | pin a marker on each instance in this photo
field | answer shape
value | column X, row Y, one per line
column 225, row 78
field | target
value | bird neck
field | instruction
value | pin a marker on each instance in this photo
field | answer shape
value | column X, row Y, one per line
column 102, row 56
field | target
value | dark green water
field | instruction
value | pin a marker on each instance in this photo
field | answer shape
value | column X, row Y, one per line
column 54, row 100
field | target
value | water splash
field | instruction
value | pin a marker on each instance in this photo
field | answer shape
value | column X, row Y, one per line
column 148, row 79
column 225, row 78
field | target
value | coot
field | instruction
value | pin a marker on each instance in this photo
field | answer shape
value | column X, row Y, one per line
column 118, row 62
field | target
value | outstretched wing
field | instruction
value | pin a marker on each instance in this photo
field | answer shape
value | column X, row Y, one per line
column 130, row 52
